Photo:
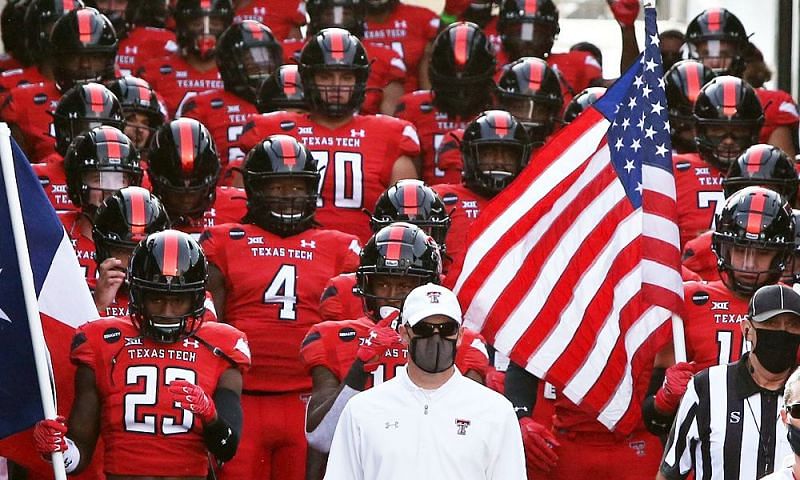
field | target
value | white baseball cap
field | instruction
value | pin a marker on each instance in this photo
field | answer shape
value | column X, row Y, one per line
column 429, row 300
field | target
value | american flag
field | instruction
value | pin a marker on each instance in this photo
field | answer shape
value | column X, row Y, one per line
column 573, row 270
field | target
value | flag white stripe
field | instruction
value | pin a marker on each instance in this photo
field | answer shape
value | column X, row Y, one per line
column 658, row 180
column 661, row 228
column 583, row 147
column 57, row 299
column 498, row 280
column 662, row 276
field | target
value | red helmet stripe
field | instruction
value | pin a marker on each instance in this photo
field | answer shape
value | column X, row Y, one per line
column 460, row 47
column 729, row 98
column 205, row 4
column 501, row 125
column 761, row 154
column 289, row 81
column 137, row 213
column 531, row 6
column 112, row 142
column 186, row 147
column 395, row 247
column 337, row 46
column 410, row 200
column 693, row 84
column 757, row 202
column 714, row 19
column 537, row 76
column 169, row 264
column 95, row 98
column 68, row 5
column 85, row 25
column 254, row 30
column 287, row 152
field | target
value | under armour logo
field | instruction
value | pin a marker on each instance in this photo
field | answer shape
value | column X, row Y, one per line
column 357, row 133
column 311, row 244
column 131, row 50
column 260, row 10
column 400, row 24
column 394, row 424
column 434, row 296
column 190, row 343
column 461, row 426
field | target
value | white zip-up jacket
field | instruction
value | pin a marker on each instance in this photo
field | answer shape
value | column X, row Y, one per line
column 397, row 430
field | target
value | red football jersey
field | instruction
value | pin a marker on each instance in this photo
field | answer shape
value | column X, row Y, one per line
column 262, row 274
column 779, row 110
column 355, row 161
column 83, row 245
column 119, row 307
column 407, row 31
column 698, row 188
column 141, row 45
column 338, row 302
column 334, row 345
column 699, row 258
column 7, row 62
column 177, row 81
column 54, row 181
column 711, row 317
column 11, row 79
column 225, row 115
column 466, row 205
column 230, row 206
column 280, row 17
column 576, row 70
column 30, row 108
column 140, row 424
column 432, row 127
column 386, row 67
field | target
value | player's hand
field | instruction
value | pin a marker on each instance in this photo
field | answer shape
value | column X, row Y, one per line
column 625, row 11
column 381, row 337
column 48, row 436
column 676, row 380
column 539, row 445
column 193, row 398
column 110, row 276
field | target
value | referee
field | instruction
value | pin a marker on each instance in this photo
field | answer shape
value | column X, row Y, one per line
column 728, row 425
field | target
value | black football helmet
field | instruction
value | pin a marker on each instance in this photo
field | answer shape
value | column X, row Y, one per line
column 461, row 69
column 247, row 53
column 704, row 34
column 753, row 221
column 167, row 262
column 40, row 16
column 400, row 249
column 115, row 13
column 124, row 219
column 581, row 102
column 529, row 89
column 490, row 130
column 184, row 167
column 280, row 157
column 82, row 108
column 764, row 166
column 138, row 97
column 479, row 12
column 84, row 47
column 528, row 28
column 346, row 14
column 12, row 30
column 791, row 273
column 329, row 50
column 147, row 13
column 682, row 84
column 109, row 152
column 413, row 202
column 727, row 107
column 202, row 40
column 283, row 90
column 380, row 6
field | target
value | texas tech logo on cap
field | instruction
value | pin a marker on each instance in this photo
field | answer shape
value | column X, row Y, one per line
column 434, row 296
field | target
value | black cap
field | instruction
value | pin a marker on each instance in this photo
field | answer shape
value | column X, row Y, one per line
column 772, row 300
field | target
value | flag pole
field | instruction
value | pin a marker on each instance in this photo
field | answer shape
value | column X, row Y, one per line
column 40, row 353
column 678, row 338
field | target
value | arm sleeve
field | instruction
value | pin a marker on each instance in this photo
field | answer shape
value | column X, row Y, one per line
column 344, row 462
column 521, row 386
column 679, row 449
column 82, row 352
column 509, row 460
column 349, row 260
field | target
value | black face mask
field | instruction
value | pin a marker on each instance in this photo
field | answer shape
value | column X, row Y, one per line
column 433, row 354
column 793, row 435
column 776, row 350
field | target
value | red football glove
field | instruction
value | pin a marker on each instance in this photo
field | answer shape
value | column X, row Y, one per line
column 192, row 397
column 676, row 380
column 48, row 436
column 625, row 11
column 381, row 337
column 539, row 445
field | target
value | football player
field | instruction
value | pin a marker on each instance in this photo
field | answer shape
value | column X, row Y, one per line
column 283, row 90
column 12, row 33
column 143, row 108
column 284, row 19
column 682, row 84
column 718, row 39
column 246, row 54
column 359, row 155
column 581, row 102
column 183, row 166
column 266, row 277
column 461, row 69
column 179, row 76
column 124, row 219
column 345, row 357
column 158, row 384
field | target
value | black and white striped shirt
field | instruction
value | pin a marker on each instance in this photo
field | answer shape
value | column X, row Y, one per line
column 727, row 427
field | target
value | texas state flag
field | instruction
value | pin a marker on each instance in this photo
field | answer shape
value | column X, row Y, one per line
column 64, row 304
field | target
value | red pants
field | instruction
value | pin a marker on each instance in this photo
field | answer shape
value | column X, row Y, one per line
column 273, row 443
column 605, row 456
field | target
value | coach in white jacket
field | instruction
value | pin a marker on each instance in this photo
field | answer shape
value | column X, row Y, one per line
column 429, row 422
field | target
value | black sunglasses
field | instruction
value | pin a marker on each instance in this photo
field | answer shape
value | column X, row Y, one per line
column 793, row 410
column 424, row 329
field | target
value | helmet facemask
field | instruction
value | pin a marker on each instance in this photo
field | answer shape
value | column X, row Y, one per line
column 166, row 328
column 723, row 57
column 336, row 92
column 283, row 204
column 720, row 143
column 746, row 266
column 529, row 38
column 537, row 116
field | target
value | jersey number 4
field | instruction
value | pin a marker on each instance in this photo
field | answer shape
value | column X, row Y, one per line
column 152, row 382
column 282, row 290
